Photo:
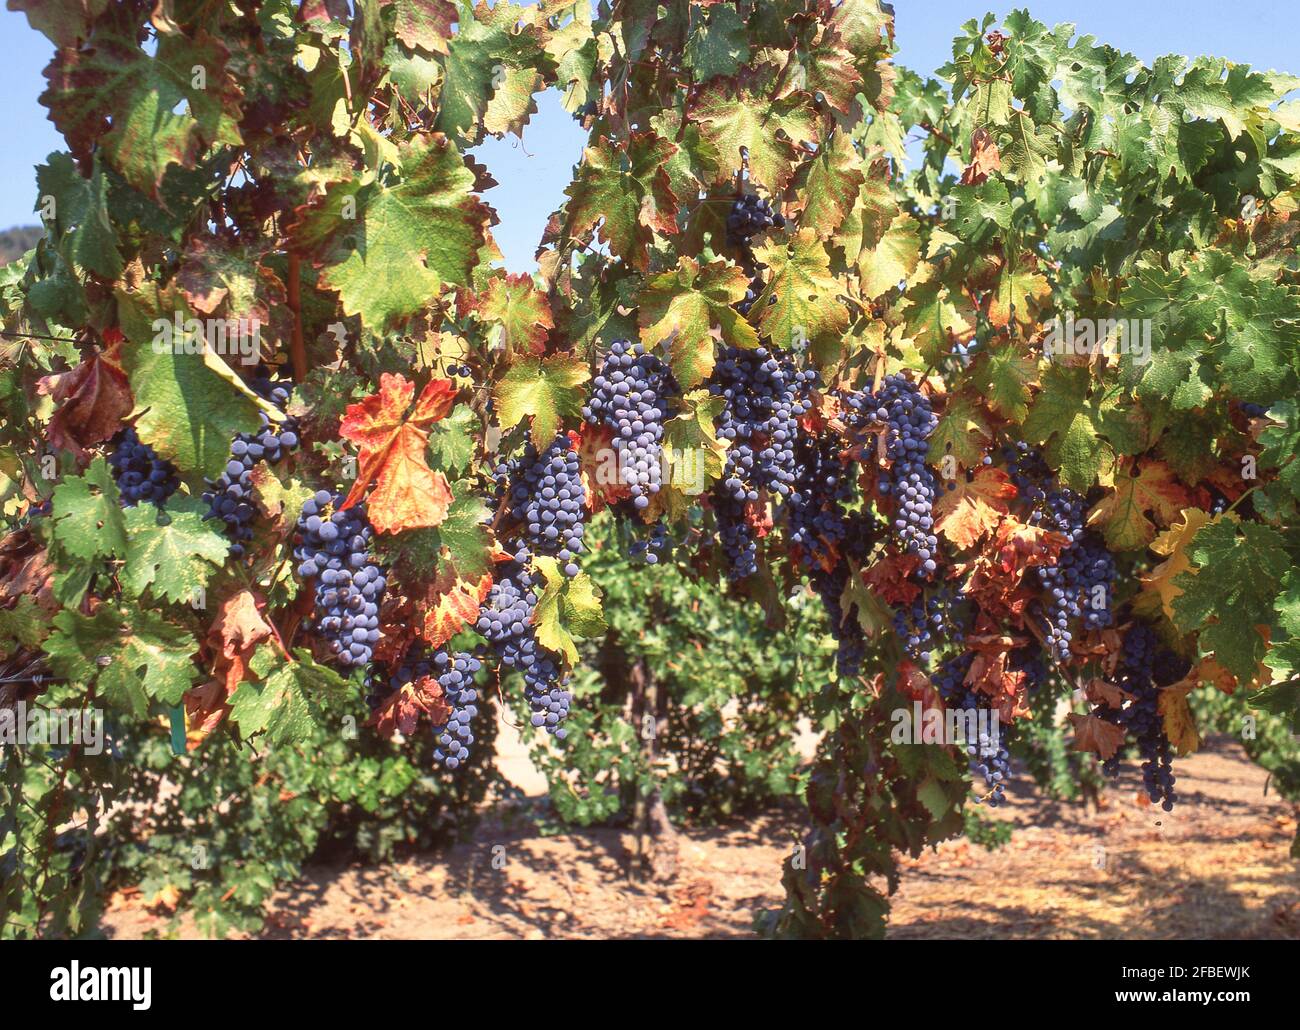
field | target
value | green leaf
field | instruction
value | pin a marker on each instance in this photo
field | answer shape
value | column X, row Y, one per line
column 718, row 43
column 88, row 519
column 132, row 658
column 548, row 390
column 22, row 626
column 289, row 701
column 1281, row 444
column 731, row 119
column 191, row 406
column 163, row 109
column 685, row 305
column 1238, row 566
column 807, row 309
column 494, row 64
column 452, row 440
column 171, row 554
column 626, row 190
column 80, row 224
column 1002, row 376
column 566, row 608
column 388, row 247
column 1083, row 428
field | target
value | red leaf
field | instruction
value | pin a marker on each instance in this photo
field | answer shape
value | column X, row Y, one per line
column 92, row 399
column 406, row 494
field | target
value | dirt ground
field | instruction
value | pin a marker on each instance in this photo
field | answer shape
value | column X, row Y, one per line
column 1217, row 867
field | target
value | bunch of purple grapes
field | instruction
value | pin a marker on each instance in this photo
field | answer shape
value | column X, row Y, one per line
column 230, row 498
column 987, row 754
column 1144, row 667
column 752, row 291
column 850, row 641
column 656, row 544
column 632, row 394
column 506, row 621
column 1080, row 584
column 750, row 214
column 547, row 501
column 455, row 674
column 140, row 474
column 927, row 621
column 905, row 411
column 815, row 508
column 333, row 549
column 765, row 395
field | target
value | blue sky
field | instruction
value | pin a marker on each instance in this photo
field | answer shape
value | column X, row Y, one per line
column 533, row 173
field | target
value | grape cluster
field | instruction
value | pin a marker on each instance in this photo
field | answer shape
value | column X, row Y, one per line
column 332, row 549
column 656, row 544
column 1080, row 585
column 908, row 480
column 1144, row 667
column 230, row 497
column 506, row 620
column 765, row 395
column 750, row 214
column 631, row 395
column 1253, row 410
column 850, row 641
column 455, row 673
column 547, row 500
column 1031, row 661
column 755, row 287
column 141, row 475
column 988, row 754
column 926, row 622
column 735, row 535
column 815, row 509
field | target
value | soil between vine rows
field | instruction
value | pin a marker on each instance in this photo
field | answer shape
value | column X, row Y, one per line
column 1125, row 870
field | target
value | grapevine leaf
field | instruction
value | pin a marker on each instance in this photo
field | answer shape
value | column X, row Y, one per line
column 1281, row 443
column 495, row 62
column 731, row 119
column 831, row 183
column 452, row 603
column 288, row 701
column 626, row 190
column 686, row 305
column 89, row 522
column 452, row 440
column 1122, row 512
column 966, row 511
column 718, row 44
column 547, row 390
column 1020, row 292
column 172, row 555
column 387, row 247
column 521, row 310
column 159, row 110
column 892, row 260
column 1230, row 594
column 175, row 388
column 1003, row 376
column 406, row 493
column 80, row 223
column 566, row 608
column 808, row 308
column 961, row 432
column 1173, row 544
column 92, row 399
column 22, row 626
column 132, row 658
